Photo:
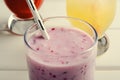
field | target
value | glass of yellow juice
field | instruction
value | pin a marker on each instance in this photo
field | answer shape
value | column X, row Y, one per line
column 99, row 13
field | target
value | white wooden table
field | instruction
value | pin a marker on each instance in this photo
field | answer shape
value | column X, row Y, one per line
column 12, row 49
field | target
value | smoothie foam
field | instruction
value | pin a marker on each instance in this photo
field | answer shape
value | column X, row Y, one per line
column 60, row 58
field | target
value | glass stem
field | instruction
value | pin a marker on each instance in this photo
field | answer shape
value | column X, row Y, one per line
column 103, row 44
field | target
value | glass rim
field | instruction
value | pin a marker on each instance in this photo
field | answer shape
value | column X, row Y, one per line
column 64, row 17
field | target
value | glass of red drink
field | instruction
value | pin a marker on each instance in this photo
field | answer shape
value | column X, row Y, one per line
column 22, row 16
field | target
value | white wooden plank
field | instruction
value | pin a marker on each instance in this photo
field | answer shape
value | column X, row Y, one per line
column 23, row 75
column 107, row 75
column 13, row 75
column 12, row 52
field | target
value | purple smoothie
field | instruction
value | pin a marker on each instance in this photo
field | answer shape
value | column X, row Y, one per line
column 62, row 57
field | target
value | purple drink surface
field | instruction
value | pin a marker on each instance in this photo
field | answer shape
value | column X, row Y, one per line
column 61, row 57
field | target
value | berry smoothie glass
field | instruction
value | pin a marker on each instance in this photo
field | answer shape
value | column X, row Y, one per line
column 69, row 54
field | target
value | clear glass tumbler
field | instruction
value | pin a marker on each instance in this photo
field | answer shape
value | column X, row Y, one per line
column 69, row 54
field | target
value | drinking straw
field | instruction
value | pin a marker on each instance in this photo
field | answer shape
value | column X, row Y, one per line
column 37, row 18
